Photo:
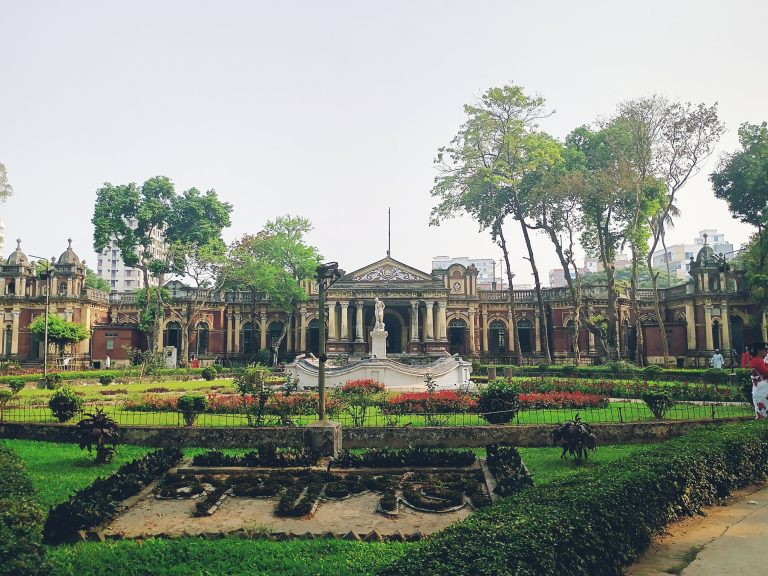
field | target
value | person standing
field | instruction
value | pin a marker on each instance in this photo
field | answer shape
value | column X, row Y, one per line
column 717, row 360
column 107, row 362
column 745, row 357
column 758, row 352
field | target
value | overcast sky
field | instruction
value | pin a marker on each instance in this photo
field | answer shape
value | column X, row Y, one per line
column 335, row 110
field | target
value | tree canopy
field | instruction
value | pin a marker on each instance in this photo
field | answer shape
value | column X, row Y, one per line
column 93, row 280
column 60, row 332
column 274, row 261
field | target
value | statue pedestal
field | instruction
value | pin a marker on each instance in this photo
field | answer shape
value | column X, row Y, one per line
column 378, row 344
column 324, row 436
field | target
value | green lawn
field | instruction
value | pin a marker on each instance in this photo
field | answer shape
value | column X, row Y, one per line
column 57, row 470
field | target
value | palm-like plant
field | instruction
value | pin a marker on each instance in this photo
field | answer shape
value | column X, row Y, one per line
column 575, row 438
column 101, row 432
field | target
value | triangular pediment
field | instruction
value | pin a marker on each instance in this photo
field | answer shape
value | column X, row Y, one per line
column 387, row 270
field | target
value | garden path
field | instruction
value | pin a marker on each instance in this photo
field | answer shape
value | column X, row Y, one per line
column 728, row 540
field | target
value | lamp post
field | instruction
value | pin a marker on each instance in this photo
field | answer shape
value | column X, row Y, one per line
column 327, row 274
column 46, row 275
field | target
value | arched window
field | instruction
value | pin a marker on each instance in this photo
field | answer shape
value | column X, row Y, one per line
column 202, row 338
column 173, row 334
column 10, row 288
column 313, row 337
column 737, row 334
column 497, row 337
column 525, row 334
column 63, row 288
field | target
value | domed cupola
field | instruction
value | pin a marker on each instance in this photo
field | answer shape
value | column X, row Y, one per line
column 69, row 257
column 706, row 256
column 17, row 258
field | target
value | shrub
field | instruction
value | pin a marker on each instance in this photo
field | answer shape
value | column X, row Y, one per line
column 218, row 368
column 401, row 457
column 622, row 368
column 508, row 469
column 21, row 520
column 715, row 376
column 208, row 373
column 52, row 381
column 570, row 370
column 652, row 371
column 16, row 385
column 254, row 394
column 445, row 401
column 599, row 520
column 359, row 396
column 542, row 367
column 64, row 404
column 658, row 402
column 498, row 401
column 106, row 380
column 191, row 406
column 557, row 400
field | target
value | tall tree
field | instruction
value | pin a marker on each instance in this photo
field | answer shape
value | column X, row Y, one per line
column 670, row 142
column 61, row 333
column 483, row 169
column 273, row 263
column 741, row 179
column 143, row 219
column 92, row 280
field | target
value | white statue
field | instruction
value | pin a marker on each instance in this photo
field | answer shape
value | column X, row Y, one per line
column 379, row 312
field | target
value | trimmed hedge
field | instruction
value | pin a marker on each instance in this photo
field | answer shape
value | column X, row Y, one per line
column 99, row 502
column 21, row 520
column 597, row 521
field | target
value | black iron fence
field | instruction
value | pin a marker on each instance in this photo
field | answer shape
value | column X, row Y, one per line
column 616, row 411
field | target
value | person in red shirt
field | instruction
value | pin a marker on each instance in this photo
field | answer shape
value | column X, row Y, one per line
column 745, row 358
column 758, row 352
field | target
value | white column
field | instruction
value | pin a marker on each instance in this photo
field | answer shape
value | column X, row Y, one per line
column 238, row 323
column 15, row 333
column 344, row 323
column 726, row 329
column 429, row 313
column 472, row 346
column 414, row 321
column 359, row 323
column 332, row 335
column 303, row 333
column 511, row 336
column 262, row 331
column 442, row 332
column 708, row 326
column 690, row 326
column 537, row 336
column 484, row 331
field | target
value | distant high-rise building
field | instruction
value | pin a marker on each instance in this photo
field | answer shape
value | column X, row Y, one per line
column 486, row 269
column 678, row 256
column 122, row 278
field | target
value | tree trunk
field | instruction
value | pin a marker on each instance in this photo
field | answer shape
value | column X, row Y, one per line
column 639, row 340
column 512, row 310
column 543, row 334
column 611, row 337
column 276, row 347
column 656, row 302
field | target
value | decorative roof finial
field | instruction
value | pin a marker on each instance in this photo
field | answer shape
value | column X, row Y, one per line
column 705, row 238
column 70, row 242
column 18, row 243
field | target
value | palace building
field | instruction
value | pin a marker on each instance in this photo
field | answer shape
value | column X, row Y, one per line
column 426, row 313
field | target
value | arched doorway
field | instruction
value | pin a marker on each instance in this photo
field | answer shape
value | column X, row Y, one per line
column 313, row 337
column 273, row 335
column 203, row 332
column 394, row 328
column 716, row 335
column 497, row 338
column 249, row 339
column 457, row 336
column 173, row 335
column 525, row 334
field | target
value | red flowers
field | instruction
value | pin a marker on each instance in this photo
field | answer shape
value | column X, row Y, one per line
column 364, row 386
column 540, row 400
column 445, row 401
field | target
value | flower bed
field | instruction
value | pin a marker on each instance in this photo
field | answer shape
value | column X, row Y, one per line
column 556, row 400
column 445, row 401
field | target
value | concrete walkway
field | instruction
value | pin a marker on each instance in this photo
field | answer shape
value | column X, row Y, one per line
column 729, row 540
